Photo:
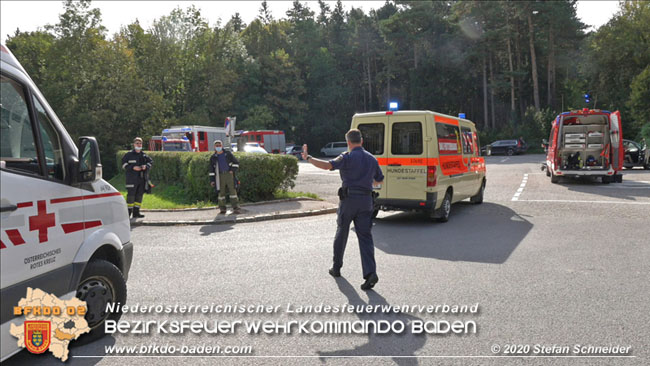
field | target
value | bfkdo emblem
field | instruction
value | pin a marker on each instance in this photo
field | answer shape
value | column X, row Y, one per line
column 37, row 335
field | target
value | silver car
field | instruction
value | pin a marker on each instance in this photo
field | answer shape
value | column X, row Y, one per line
column 334, row 148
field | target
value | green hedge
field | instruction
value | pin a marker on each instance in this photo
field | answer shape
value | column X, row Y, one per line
column 260, row 174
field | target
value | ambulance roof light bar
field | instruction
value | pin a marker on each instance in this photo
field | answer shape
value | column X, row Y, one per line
column 392, row 107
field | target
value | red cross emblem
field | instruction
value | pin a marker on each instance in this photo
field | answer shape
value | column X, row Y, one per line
column 41, row 222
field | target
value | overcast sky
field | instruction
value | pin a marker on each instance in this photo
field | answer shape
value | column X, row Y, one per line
column 31, row 15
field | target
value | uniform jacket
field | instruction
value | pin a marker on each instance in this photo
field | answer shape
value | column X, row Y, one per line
column 233, row 166
column 132, row 159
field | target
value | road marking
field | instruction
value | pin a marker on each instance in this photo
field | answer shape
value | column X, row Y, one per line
column 504, row 160
column 583, row 201
column 520, row 190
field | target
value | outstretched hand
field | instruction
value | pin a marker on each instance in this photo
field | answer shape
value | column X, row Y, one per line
column 304, row 152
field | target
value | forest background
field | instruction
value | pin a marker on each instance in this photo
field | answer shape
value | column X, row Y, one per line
column 509, row 66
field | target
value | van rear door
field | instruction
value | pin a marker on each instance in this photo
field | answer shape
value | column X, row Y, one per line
column 616, row 138
column 373, row 131
column 406, row 173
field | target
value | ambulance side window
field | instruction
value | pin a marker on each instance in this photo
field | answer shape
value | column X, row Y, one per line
column 468, row 145
column 51, row 144
column 17, row 143
column 373, row 137
column 406, row 138
column 448, row 139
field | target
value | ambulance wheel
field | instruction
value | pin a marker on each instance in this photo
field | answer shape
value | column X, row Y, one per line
column 445, row 208
column 478, row 199
column 101, row 283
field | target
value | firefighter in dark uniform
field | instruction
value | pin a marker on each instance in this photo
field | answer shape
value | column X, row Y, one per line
column 136, row 163
column 223, row 166
column 359, row 171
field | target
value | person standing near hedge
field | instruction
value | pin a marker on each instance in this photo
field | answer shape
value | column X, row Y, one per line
column 223, row 166
column 136, row 163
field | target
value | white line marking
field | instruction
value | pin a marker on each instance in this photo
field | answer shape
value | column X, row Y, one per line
column 580, row 201
column 521, row 188
column 504, row 160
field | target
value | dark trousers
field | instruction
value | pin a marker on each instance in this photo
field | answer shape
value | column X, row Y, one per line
column 134, row 194
column 357, row 209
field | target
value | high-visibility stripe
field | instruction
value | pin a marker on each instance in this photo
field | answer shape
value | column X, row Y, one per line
column 408, row 161
column 211, row 174
column 235, row 196
column 129, row 205
column 132, row 161
column 79, row 198
column 442, row 119
column 235, row 165
column 129, row 185
column 137, row 204
column 124, row 165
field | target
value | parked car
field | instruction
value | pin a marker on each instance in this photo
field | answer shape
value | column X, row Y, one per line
column 507, row 147
column 251, row 147
column 288, row 148
column 635, row 155
column 296, row 151
column 334, row 148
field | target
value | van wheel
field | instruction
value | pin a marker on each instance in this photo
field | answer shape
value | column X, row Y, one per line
column 478, row 199
column 445, row 208
column 510, row 152
column 101, row 283
column 555, row 178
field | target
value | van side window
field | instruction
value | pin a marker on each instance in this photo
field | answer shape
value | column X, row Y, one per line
column 17, row 143
column 373, row 137
column 51, row 144
column 448, row 139
column 467, row 141
column 407, row 138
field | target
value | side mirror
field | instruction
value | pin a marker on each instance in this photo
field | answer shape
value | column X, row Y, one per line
column 90, row 166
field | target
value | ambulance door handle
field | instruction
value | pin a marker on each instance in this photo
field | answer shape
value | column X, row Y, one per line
column 394, row 164
column 8, row 208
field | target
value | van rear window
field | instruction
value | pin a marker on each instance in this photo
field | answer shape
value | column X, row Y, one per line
column 373, row 137
column 448, row 139
column 407, row 138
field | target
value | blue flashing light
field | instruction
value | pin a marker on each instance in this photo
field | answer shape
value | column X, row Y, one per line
column 164, row 138
column 186, row 129
column 184, row 138
column 587, row 96
column 587, row 100
column 166, row 130
column 461, row 115
column 392, row 106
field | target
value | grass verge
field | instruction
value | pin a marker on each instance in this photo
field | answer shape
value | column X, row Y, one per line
column 172, row 196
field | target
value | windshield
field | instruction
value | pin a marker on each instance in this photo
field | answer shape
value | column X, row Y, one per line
column 176, row 146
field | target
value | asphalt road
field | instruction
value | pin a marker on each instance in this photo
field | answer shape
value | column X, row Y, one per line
column 561, row 265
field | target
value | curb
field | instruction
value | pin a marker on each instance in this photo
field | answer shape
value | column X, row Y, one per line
column 242, row 205
column 240, row 220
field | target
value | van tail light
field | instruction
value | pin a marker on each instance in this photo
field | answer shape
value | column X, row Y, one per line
column 432, row 176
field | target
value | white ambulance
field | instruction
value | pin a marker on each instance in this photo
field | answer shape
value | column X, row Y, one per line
column 430, row 160
column 63, row 228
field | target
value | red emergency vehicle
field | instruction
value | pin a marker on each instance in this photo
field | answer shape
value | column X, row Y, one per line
column 273, row 141
column 192, row 138
column 587, row 142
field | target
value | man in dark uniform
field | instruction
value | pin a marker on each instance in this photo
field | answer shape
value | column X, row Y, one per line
column 223, row 166
column 136, row 163
column 359, row 171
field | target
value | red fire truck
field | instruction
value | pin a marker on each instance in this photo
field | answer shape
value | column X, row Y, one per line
column 191, row 138
column 272, row 141
column 587, row 142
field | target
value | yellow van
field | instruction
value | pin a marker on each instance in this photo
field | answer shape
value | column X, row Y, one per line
column 430, row 160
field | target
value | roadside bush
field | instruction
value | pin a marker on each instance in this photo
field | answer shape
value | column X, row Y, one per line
column 260, row 174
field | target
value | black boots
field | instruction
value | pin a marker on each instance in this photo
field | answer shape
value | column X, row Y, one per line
column 136, row 213
column 371, row 281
